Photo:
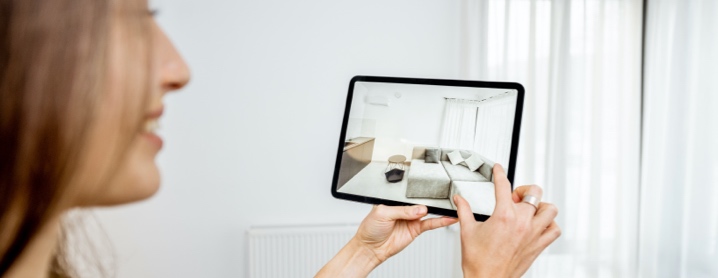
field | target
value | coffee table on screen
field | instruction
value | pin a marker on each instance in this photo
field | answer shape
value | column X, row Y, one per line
column 395, row 168
column 396, row 161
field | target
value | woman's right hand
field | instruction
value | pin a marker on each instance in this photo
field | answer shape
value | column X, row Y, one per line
column 510, row 240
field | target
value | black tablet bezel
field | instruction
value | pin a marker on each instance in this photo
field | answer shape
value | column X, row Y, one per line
column 422, row 81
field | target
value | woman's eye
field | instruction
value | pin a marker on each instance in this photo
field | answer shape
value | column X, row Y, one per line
column 153, row 7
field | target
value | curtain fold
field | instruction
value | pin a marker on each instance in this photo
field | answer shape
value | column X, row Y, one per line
column 580, row 62
column 459, row 127
column 679, row 188
column 494, row 126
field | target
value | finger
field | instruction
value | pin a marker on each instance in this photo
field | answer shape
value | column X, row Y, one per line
column 521, row 191
column 549, row 235
column 434, row 223
column 502, row 189
column 526, row 208
column 545, row 216
column 463, row 210
column 401, row 212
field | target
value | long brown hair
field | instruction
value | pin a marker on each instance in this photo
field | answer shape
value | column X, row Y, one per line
column 53, row 77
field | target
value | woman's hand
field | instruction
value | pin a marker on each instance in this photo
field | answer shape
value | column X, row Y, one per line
column 383, row 233
column 388, row 230
column 508, row 243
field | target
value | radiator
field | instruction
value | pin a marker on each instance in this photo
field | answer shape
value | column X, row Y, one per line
column 302, row 251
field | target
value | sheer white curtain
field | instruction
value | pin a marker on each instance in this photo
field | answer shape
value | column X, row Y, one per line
column 459, row 126
column 494, row 127
column 580, row 62
column 679, row 190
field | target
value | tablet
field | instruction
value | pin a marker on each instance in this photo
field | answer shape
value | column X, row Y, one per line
column 407, row 141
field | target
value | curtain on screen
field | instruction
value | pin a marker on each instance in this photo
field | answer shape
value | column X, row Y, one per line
column 494, row 126
column 459, row 126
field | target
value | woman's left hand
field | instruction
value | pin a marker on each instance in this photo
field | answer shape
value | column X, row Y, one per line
column 383, row 233
column 388, row 230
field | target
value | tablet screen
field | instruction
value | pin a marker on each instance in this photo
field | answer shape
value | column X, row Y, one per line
column 421, row 141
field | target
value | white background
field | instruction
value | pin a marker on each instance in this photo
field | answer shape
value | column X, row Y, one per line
column 253, row 138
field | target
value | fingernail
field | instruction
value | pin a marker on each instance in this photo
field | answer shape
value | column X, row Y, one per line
column 420, row 210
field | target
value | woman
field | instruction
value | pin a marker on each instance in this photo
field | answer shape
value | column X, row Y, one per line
column 81, row 88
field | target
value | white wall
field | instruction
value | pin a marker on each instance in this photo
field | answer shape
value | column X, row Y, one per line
column 252, row 140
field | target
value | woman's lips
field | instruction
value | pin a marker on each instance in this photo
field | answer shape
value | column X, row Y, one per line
column 156, row 113
column 151, row 125
column 154, row 139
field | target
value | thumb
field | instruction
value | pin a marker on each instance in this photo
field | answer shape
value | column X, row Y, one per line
column 402, row 212
column 463, row 210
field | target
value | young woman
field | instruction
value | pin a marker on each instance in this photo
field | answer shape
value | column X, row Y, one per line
column 81, row 88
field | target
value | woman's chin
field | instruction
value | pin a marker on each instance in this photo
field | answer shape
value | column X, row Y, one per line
column 145, row 185
column 139, row 181
column 144, row 189
column 136, row 178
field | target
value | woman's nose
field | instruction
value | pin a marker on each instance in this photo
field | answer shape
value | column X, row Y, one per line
column 174, row 72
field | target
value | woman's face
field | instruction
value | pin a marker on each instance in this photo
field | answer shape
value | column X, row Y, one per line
column 136, row 175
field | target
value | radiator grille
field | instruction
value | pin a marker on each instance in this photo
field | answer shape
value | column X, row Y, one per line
column 302, row 251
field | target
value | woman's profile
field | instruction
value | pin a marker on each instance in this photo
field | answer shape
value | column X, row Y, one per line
column 81, row 89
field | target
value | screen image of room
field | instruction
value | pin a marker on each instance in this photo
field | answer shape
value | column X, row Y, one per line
column 422, row 144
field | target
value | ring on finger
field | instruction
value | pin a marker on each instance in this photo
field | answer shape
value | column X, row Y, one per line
column 531, row 200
